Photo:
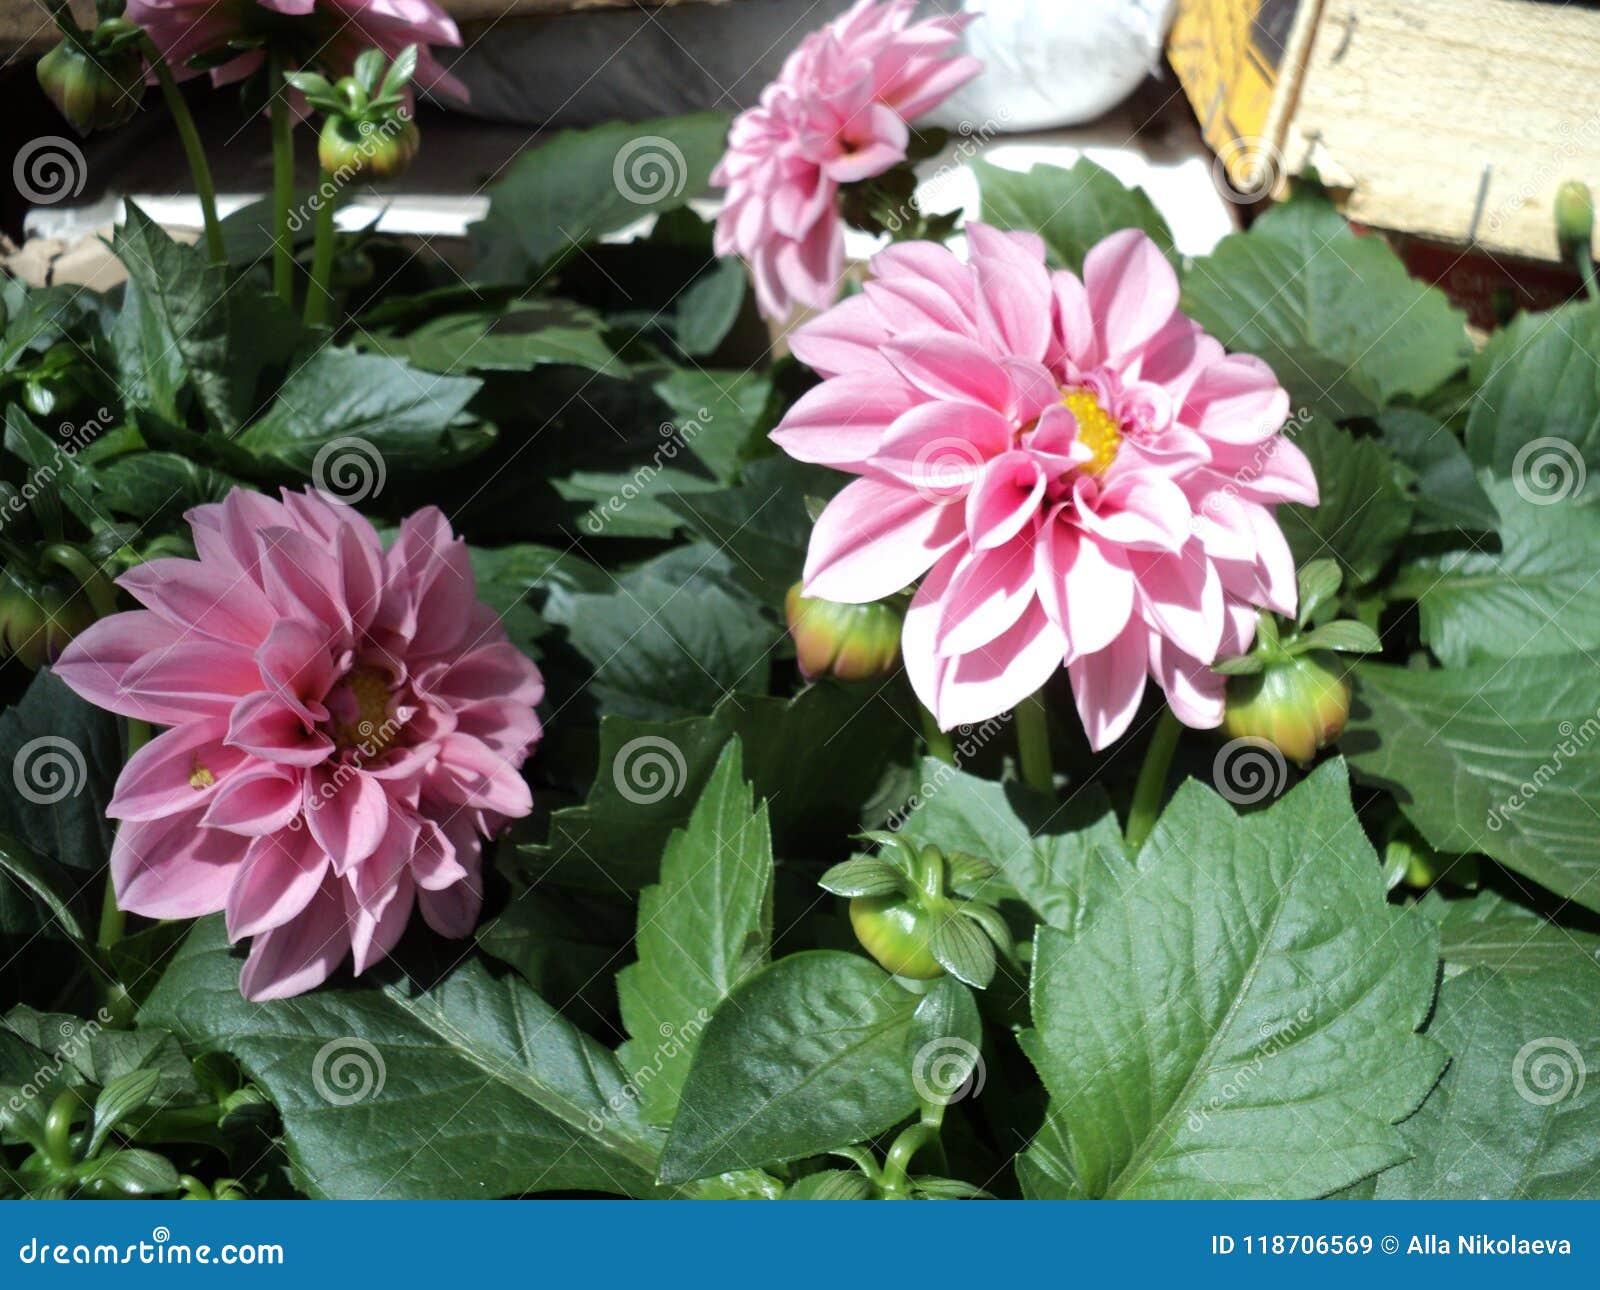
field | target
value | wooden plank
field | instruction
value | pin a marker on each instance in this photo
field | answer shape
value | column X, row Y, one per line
column 1452, row 119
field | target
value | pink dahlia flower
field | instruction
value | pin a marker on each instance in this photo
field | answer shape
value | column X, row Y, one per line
column 838, row 113
column 328, row 32
column 346, row 724
column 1075, row 470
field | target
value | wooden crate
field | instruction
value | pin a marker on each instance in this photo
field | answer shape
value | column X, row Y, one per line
column 1450, row 121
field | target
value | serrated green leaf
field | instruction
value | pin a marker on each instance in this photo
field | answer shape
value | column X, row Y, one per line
column 1343, row 325
column 1263, row 1044
column 1071, row 209
column 1445, row 488
column 525, row 335
column 1060, row 857
column 1517, row 1115
column 1489, row 930
column 704, row 928
column 963, row 950
column 1495, row 758
column 1536, row 594
column 1363, row 513
column 531, row 1103
column 805, row 1056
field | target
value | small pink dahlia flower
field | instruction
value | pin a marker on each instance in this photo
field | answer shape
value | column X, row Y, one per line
column 328, row 32
column 838, row 113
column 346, row 724
column 1075, row 470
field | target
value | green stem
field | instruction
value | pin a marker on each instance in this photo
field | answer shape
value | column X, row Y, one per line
column 319, row 298
column 94, row 583
column 1152, row 783
column 894, row 1182
column 1585, row 259
column 282, row 183
column 112, row 919
column 1033, row 744
column 199, row 167
column 938, row 741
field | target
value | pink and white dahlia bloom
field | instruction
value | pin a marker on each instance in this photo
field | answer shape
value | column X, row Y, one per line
column 1075, row 470
column 838, row 113
column 331, row 32
column 347, row 723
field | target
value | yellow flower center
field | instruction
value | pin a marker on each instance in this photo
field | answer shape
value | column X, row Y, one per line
column 200, row 776
column 1097, row 430
column 362, row 715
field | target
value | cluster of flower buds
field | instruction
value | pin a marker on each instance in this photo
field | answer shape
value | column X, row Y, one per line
column 1291, row 689
column 42, row 609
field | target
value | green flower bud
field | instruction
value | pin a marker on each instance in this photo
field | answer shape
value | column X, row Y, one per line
column 1297, row 704
column 39, row 619
column 898, row 932
column 366, row 148
column 1574, row 217
column 851, row 642
column 95, row 91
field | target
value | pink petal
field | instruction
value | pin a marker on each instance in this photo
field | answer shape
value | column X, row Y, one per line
column 1132, row 290
column 1237, row 400
column 96, row 663
column 1109, row 683
column 997, row 676
column 1194, row 692
column 482, row 778
column 205, row 678
column 848, row 338
column 989, row 591
column 454, row 911
column 1086, row 590
column 940, row 449
column 298, row 955
column 199, row 598
column 280, row 875
column 952, row 367
column 1180, row 595
column 256, row 801
column 1004, row 499
column 841, row 422
column 272, row 728
column 173, row 868
column 875, row 538
column 347, row 811
column 178, row 770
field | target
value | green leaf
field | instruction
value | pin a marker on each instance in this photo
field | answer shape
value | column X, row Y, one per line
column 1517, row 1115
column 831, row 1184
column 366, row 1078
column 1062, row 858
column 180, row 320
column 583, row 184
column 1535, row 595
column 1445, row 486
column 58, row 477
column 805, row 1056
column 704, row 928
column 1537, row 381
column 119, row 1100
column 528, row 334
column 629, row 503
column 44, row 880
column 1263, row 1043
column 944, row 1043
column 1363, row 513
column 145, row 485
column 1345, row 637
column 1495, row 758
column 963, row 950
column 408, row 417
column 1318, row 584
column 862, row 876
column 666, row 646
column 1344, row 326
column 1071, row 209
column 717, row 414
column 130, row 1173
column 762, row 523
column 651, row 772
column 710, row 307
column 1490, row 931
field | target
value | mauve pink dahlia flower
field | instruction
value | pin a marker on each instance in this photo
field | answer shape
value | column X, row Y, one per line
column 329, row 32
column 1083, row 475
column 347, row 722
column 838, row 113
